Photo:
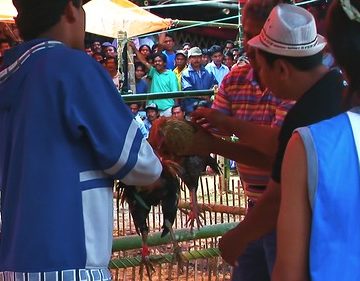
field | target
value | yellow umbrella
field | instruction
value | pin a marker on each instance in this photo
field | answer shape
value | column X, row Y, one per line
column 108, row 17
column 7, row 11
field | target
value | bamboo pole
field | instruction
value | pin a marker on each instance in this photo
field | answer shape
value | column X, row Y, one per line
column 215, row 208
column 167, row 258
column 154, row 239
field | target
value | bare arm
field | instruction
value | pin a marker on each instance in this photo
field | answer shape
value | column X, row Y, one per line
column 139, row 55
column 261, row 138
column 259, row 221
column 294, row 217
column 204, row 143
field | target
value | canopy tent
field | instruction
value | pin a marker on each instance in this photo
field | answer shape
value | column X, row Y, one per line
column 107, row 17
column 7, row 11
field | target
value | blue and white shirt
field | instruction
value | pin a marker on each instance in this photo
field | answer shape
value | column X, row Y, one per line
column 65, row 136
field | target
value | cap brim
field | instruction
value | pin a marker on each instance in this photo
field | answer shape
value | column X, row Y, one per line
column 256, row 43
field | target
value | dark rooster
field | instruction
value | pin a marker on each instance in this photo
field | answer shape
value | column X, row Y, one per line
column 140, row 201
column 170, row 138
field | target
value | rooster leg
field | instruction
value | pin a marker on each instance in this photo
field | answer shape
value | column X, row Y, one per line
column 194, row 214
column 178, row 256
column 145, row 260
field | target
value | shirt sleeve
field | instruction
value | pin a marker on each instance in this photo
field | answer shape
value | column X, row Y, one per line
column 173, row 83
column 186, row 82
column 222, row 102
column 95, row 110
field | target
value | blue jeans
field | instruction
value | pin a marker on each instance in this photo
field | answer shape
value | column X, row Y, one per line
column 257, row 262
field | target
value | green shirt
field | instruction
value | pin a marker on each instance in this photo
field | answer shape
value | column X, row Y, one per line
column 160, row 83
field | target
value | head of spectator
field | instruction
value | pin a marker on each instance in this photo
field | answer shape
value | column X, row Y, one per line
column 229, row 59
column 205, row 58
column 96, row 47
column 180, row 59
column 139, row 70
column 178, row 112
column 98, row 57
column 145, row 50
column 236, row 53
column 111, row 65
column 343, row 34
column 134, row 108
column 195, row 58
column 229, row 44
column 216, row 54
column 186, row 46
column 109, row 50
column 169, row 42
column 159, row 62
column 88, row 50
column 152, row 112
column 287, row 46
column 202, row 103
column 154, row 48
column 4, row 45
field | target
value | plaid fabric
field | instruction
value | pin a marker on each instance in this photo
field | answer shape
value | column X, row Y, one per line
column 65, row 275
column 240, row 96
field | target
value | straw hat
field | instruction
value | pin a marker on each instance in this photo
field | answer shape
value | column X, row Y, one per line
column 289, row 31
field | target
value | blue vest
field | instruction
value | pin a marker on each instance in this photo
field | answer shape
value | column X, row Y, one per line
column 335, row 231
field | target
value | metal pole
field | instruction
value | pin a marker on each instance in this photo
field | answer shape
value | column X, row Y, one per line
column 167, row 95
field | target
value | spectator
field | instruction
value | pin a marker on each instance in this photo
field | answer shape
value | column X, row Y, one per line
column 145, row 50
column 96, row 47
column 4, row 45
column 180, row 63
column 141, row 84
column 162, row 80
column 89, row 51
column 205, row 58
column 178, row 112
column 98, row 57
column 216, row 65
column 109, row 50
column 186, row 47
column 167, row 45
column 229, row 59
column 111, row 65
column 152, row 113
column 229, row 45
column 195, row 77
column 134, row 108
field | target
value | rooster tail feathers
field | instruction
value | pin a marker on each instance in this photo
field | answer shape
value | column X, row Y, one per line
column 172, row 167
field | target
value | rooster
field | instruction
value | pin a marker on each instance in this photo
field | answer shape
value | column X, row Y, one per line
column 140, row 201
column 170, row 138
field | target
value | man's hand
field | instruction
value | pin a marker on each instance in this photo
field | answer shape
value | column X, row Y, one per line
column 211, row 120
column 232, row 245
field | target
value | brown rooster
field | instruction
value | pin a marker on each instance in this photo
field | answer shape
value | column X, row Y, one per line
column 170, row 139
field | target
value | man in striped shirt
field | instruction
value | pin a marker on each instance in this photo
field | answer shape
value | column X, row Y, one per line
column 242, row 96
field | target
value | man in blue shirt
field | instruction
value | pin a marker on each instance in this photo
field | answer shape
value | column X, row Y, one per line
column 65, row 138
column 216, row 65
column 195, row 77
